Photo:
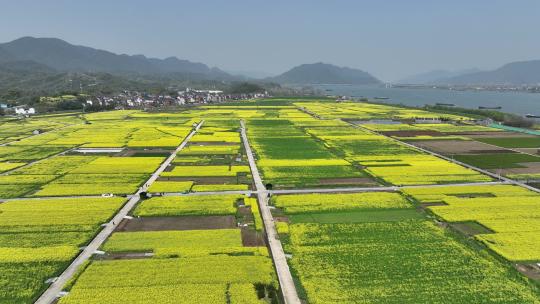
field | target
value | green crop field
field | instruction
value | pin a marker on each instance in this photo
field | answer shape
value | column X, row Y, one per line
column 355, row 216
column 497, row 161
column 512, row 142
column 308, row 203
column 162, row 240
column 170, row 186
column 189, row 205
column 196, row 232
column 511, row 212
column 40, row 237
column 396, row 262
column 396, row 254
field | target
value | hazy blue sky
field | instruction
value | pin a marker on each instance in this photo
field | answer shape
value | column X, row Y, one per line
column 390, row 39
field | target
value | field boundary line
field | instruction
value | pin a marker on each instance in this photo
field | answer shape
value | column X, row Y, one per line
column 378, row 189
column 286, row 282
column 53, row 291
column 283, row 191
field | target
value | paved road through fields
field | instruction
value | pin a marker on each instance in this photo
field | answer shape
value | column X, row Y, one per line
column 286, row 283
column 332, row 190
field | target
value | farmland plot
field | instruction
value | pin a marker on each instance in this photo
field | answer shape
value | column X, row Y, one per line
column 212, row 161
column 366, row 111
column 288, row 156
column 40, row 237
column 189, row 205
column 186, row 261
column 387, row 259
column 181, row 263
column 403, row 262
column 204, row 279
column 87, row 175
column 511, row 212
column 393, row 162
column 182, row 247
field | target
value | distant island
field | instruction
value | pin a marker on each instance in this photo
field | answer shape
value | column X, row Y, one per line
column 435, row 76
column 323, row 73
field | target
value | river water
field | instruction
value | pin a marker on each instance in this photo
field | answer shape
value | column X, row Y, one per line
column 511, row 102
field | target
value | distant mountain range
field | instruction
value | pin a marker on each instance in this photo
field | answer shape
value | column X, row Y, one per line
column 64, row 57
column 323, row 73
column 40, row 58
column 52, row 55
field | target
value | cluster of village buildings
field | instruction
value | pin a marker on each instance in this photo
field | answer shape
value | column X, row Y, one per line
column 189, row 96
column 134, row 99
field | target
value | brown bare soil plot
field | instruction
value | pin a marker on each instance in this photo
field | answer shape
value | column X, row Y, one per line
column 529, row 150
column 498, row 134
column 470, row 228
column 252, row 238
column 529, row 168
column 164, row 223
column 283, row 219
column 425, row 206
column 458, row 147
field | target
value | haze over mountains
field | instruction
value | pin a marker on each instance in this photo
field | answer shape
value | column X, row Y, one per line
column 39, row 57
column 435, row 76
column 62, row 56
column 57, row 55
column 515, row 73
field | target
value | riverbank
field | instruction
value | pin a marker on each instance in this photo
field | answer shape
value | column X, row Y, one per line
column 519, row 103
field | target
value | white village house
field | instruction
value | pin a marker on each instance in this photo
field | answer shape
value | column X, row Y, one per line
column 24, row 111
